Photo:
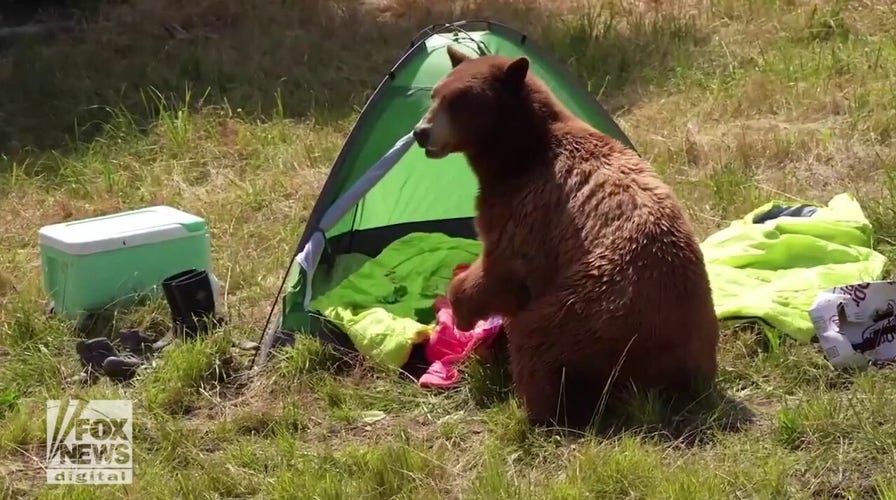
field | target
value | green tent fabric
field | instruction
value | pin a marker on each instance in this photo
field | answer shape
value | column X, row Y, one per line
column 381, row 186
column 773, row 270
column 386, row 306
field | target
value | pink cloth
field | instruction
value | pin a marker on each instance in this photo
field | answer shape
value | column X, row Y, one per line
column 449, row 346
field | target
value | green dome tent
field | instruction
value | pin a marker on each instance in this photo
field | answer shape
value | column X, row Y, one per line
column 381, row 186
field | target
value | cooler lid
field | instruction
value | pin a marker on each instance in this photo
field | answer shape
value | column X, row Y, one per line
column 121, row 230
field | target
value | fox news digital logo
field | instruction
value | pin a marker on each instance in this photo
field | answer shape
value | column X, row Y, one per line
column 89, row 442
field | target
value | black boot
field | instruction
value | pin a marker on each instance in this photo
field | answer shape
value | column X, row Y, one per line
column 171, row 299
column 93, row 352
column 192, row 301
column 121, row 368
column 136, row 342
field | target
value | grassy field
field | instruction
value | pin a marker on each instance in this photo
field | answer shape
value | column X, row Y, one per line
column 235, row 113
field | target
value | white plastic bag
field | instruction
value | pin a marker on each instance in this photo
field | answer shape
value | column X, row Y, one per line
column 856, row 324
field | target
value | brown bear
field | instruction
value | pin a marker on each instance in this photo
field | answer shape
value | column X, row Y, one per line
column 587, row 254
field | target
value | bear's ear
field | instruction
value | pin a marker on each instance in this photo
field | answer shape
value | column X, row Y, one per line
column 515, row 72
column 456, row 56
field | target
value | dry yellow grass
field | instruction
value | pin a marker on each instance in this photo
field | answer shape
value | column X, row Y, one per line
column 234, row 112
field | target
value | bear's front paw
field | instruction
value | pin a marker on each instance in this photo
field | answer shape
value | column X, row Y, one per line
column 463, row 320
column 464, row 324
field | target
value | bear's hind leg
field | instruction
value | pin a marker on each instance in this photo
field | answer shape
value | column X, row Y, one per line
column 551, row 396
column 583, row 393
column 539, row 390
column 554, row 397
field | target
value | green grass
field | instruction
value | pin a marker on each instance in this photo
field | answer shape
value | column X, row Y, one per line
column 734, row 103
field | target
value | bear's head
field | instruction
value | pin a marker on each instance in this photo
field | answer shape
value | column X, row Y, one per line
column 479, row 98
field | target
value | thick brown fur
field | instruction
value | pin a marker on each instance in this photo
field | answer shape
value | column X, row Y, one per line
column 586, row 252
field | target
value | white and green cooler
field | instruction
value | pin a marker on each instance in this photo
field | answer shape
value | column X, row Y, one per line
column 94, row 264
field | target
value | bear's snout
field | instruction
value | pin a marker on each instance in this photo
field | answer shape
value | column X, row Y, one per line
column 421, row 135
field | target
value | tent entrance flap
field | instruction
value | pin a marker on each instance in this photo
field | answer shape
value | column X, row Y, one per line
column 309, row 257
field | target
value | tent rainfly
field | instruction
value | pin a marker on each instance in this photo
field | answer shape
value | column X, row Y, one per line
column 382, row 187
